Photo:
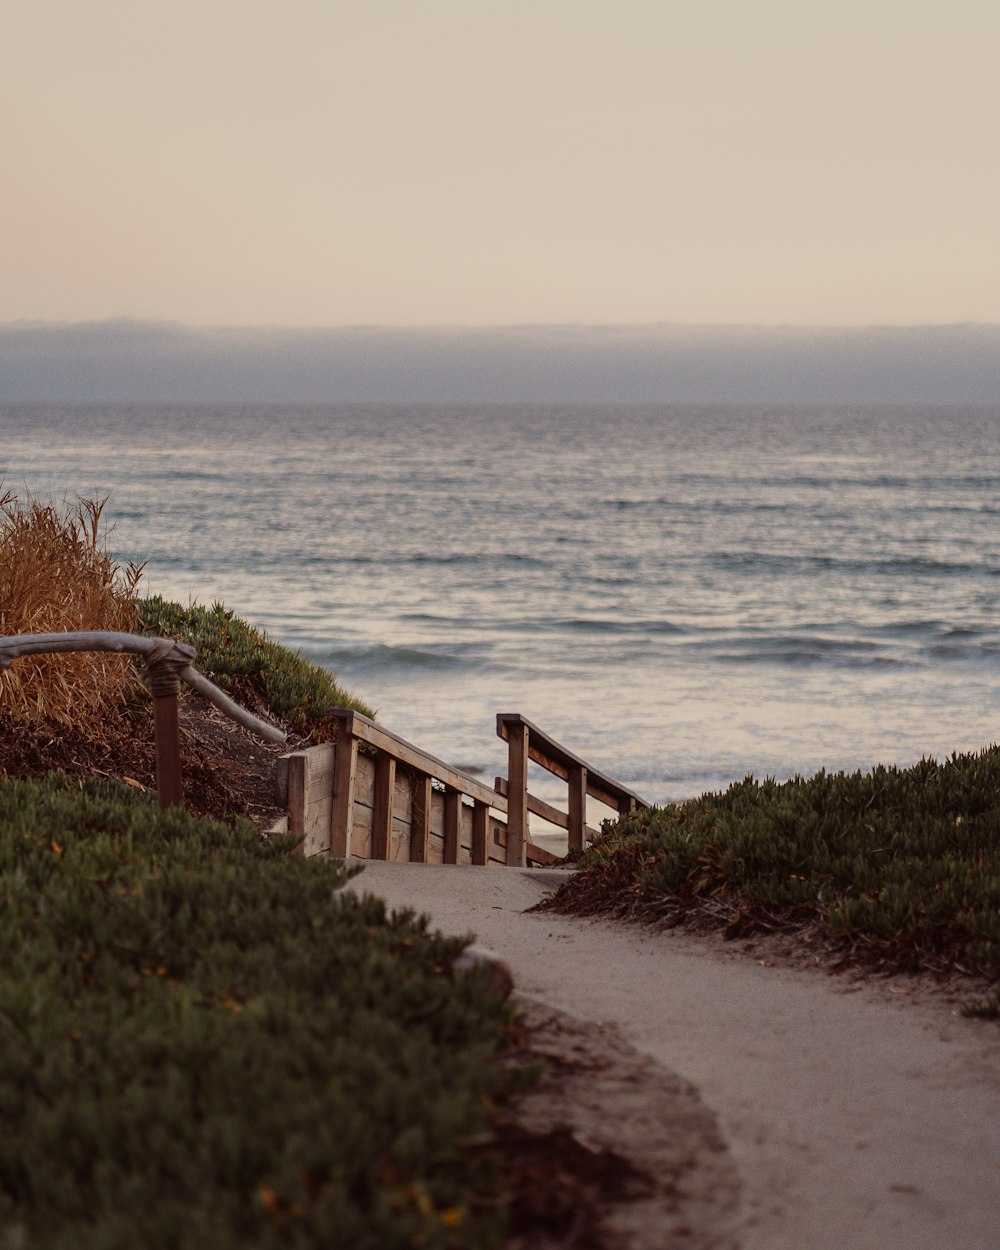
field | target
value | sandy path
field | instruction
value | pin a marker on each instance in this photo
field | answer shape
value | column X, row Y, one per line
column 858, row 1120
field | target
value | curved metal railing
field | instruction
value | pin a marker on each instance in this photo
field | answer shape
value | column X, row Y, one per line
column 167, row 664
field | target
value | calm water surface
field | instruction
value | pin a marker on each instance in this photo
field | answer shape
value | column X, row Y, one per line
column 683, row 595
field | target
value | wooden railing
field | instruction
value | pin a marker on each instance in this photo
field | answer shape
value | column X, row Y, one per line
column 374, row 795
column 525, row 741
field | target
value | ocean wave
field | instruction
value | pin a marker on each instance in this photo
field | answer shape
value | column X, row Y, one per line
column 604, row 625
column 904, row 566
column 801, row 651
column 417, row 558
column 380, row 655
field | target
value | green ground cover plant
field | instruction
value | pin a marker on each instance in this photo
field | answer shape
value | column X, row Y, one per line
column 202, row 1044
column 899, row 866
column 248, row 664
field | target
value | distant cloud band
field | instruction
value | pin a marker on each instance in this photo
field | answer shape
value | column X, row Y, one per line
column 134, row 361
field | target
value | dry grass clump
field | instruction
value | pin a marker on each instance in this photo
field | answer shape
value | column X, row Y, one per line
column 57, row 575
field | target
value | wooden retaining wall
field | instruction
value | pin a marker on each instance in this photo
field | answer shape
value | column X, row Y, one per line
column 338, row 801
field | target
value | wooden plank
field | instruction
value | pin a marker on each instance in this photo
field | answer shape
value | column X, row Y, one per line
column 364, row 799
column 297, row 793
column 167, row 746
column 364, row 782
column 540, row 808
column 310, row 797
column 420, row 830
column 317, row 840
column 554, row 757
column 452, row 820
column 539, row 856
column 517, row 794
column 465, row 834
column 480, row 833
column 577, row 824
column 399, row 842
column 361, row 831
column 385, row 788
column 345, row 770
column 552, row 814
column 361, row 727
column 496, row 842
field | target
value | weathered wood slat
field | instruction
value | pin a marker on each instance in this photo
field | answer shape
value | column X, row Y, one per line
column 296, row 765
column 361, row 727
column 554, row 757
column 465, row 834
column 538, row 806
column 517, row 794
column 345, row 774
column 452, row 824
column 480, row 833
column 385, row 787
column 577, row 824
column 310, row 797
column 538, row 855
column 547, row 812
column 420, row 830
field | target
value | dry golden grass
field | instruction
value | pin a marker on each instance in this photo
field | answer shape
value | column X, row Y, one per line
column 57, row 575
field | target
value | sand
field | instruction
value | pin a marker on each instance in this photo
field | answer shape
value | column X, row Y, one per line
column 857, row 1115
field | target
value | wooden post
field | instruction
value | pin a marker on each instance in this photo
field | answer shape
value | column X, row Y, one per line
column 297, row 796
column 385, row 785
column 169, row 786
column 345, row 770
column 577, row 807
column 452, row 823
column 626, row 805
column 164, row 681
column 420, row 830
column 517, row 795
column 480, row 833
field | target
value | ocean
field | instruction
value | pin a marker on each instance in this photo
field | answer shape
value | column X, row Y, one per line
column 682, row 595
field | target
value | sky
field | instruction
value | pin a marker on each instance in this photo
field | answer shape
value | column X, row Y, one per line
column 465, row 162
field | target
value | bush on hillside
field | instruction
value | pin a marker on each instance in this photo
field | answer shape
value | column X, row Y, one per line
column 244, row 661
column 901, row 864
column 57, row 575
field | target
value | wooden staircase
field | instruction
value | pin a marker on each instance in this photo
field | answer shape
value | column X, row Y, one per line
column 373, row 795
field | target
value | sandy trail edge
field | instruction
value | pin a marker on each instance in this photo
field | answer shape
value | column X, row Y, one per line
column 857, row 1120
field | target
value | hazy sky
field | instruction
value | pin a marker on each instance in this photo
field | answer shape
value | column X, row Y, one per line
column 477, row 162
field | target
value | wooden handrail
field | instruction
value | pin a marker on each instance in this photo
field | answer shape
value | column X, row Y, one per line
column 359, row 726
column 525, row 741
column 547, row 812
column 167, row 663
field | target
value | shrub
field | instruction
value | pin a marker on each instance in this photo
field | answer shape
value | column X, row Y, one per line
column 899, row 863
column 201, row 1045
column 56, row 575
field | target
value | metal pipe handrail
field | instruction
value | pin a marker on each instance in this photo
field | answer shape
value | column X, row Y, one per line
column 167, row 664
column 15, row 645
